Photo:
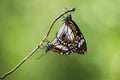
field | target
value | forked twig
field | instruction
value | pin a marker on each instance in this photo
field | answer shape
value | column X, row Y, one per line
column 37, row 47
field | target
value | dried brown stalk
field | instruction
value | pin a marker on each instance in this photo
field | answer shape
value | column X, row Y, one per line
column 37, row 47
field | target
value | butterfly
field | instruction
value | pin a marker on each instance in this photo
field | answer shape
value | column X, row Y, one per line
column 69, row 39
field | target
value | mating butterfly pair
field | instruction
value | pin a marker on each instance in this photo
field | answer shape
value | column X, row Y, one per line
column 68, row 39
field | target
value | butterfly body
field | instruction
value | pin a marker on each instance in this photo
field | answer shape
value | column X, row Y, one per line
column 68, row 39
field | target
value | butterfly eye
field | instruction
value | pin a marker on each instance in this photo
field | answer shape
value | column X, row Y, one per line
column 68, row 39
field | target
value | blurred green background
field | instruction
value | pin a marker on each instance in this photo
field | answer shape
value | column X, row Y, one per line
column 23, row 23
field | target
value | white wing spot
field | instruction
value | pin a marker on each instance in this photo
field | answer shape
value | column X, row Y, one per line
column 68, row 44
column 76, row 41
column 81, row 42
column 61, row 53
column 81, row 36
column 62, row 47
column 76, row 48
column 67, row 53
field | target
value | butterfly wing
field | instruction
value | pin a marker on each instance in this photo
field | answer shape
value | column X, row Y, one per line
column 68, row 39
column 65, row 33
column 79, row 39
column 63, row 37
column 57, row 47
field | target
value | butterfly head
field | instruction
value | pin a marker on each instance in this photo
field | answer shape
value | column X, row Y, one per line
column 48, row 47
column 68, row 18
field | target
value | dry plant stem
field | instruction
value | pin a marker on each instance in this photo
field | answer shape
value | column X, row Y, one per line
column 37, row 47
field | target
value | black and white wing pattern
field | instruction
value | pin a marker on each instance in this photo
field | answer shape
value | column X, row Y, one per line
column 68, row 39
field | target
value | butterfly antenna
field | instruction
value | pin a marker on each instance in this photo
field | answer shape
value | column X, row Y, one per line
column 41, row 56
column 63, row 17
column 46, row 40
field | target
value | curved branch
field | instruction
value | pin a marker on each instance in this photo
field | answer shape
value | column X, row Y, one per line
column 37, row 47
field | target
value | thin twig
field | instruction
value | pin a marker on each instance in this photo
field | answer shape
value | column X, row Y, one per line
column 37, row 47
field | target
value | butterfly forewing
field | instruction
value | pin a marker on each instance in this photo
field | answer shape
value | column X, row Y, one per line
column 65, row 33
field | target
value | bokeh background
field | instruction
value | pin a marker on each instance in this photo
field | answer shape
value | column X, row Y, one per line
column 23, row 23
